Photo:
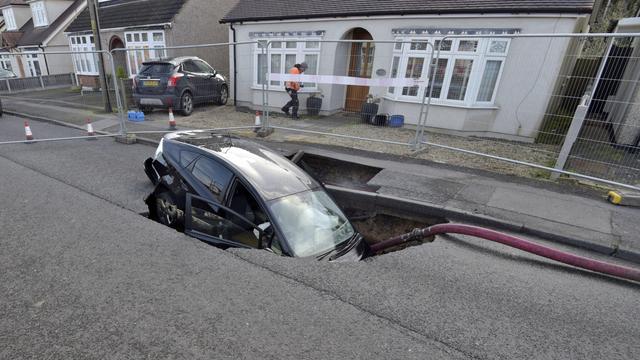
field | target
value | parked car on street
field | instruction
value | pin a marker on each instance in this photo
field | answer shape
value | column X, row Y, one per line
column 232, row 192
column 178, row 83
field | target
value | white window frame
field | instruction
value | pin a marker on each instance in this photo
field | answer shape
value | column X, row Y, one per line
column 139, row 50
column 300, row 51
column 6, row 62
column 83, row 63
column 30, row 59
column 39, row 14
column 9, row 19
column 479, row 57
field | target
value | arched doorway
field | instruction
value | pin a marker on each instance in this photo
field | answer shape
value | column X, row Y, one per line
column 119, row 57
column 360, row 65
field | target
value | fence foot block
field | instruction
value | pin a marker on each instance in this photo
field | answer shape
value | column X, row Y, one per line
column 126, row 139
column 264, row 132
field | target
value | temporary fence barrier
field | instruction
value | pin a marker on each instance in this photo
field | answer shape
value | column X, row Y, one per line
column 507, row 98
column 553, row 82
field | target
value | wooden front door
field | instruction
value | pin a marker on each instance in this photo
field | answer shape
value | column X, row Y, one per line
column 360, row 65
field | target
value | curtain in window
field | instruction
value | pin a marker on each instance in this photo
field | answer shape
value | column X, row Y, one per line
column 489, row 79
column 438, row 80
column 460, row 79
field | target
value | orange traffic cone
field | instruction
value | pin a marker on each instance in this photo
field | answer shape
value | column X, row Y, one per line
column 172, row 120
column 27, row 131
column 90, row 131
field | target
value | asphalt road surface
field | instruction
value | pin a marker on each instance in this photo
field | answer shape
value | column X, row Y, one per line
column 82, row 275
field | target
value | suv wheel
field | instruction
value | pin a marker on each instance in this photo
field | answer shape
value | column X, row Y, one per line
column 186, row 104
column 224, row 95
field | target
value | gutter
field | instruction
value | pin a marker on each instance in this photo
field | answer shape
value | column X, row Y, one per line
column 568, row 10
column 235, row 71
column 44, row 55
column 166, row 25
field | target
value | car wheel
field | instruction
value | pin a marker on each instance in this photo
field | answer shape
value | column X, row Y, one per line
column 186, row 104
column 166, row 210
column 146, row 109
column 224, row 95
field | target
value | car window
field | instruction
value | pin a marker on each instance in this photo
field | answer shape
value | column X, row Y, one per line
column 243, row 203
column 187, row 157
column 154, row 69
column 190, row 66
column 212, row 175
column 216, row 221
column 204, row 67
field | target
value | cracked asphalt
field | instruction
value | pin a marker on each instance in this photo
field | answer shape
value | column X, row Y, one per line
column 82, row 275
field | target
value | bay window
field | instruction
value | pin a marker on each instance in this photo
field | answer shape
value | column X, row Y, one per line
column 283, row 54
column 466, row 73
column 142, row 46
column 83, row 63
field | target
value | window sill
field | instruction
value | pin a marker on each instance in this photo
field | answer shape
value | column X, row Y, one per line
column 445, row 104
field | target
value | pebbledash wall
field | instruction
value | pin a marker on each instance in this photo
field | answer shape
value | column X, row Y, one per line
column 520, row 98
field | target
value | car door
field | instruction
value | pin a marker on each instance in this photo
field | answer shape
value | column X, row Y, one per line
column 217, row 224
column 210, row 80
column 196, row 78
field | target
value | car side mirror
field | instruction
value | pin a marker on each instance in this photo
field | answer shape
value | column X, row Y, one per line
column 266, row 238
column 160, row 168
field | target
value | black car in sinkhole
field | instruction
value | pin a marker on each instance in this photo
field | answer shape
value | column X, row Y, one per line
column 233, row 192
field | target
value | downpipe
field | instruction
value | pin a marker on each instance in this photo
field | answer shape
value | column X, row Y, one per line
column 515, row 242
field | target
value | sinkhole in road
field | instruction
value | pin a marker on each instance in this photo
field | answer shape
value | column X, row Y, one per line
column 377, row 218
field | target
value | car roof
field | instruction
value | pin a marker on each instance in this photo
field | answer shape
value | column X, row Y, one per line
column 271, row 174
column 173, row 61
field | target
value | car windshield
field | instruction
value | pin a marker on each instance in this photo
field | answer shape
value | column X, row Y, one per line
column 152, row 69
column 311, row 222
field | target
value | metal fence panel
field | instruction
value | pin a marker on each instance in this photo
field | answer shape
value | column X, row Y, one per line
column 208, row 86
column 346, row 89
column 49, row 89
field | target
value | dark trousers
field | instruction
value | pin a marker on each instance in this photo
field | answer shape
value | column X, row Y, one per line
column 293, row 103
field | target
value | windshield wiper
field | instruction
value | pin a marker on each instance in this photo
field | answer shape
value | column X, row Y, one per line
column 348, row 245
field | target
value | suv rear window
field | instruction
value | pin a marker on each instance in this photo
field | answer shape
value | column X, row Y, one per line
column 156, row 69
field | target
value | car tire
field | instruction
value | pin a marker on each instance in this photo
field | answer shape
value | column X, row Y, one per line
column 186, row 104
column 146, row 109
column 167, row 210
column 224, row 95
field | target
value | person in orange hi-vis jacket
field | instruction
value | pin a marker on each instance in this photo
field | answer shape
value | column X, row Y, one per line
column 292, row 88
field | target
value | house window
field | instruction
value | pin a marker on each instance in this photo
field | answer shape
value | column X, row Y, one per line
column 283, row 54
column 142, row 46
column 39, row 14
column 9, row 19
column 84, row 63
column 5, row 62
column 33, row 64
column 466, row 72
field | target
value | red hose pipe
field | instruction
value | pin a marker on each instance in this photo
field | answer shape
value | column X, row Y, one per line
column 525, row 245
